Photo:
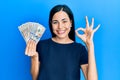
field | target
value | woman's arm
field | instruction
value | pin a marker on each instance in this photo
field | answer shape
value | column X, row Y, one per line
column 31, row 51
column 90, row 70
column 35, row 67
column 84, row 68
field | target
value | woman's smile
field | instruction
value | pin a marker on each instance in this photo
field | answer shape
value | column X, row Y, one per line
column 61, row 31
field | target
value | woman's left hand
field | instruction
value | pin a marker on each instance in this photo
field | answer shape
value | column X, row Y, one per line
column 87, row 37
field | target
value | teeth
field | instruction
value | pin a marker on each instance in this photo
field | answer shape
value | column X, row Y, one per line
column 61, row 31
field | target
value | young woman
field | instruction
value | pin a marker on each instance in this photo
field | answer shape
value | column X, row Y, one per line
column 60, row 57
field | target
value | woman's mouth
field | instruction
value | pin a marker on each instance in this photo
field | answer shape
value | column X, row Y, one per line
column 60, row 31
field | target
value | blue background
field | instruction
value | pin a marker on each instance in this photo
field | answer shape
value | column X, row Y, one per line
column 14, row 65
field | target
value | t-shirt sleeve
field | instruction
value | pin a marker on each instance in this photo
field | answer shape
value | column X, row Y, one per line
column 84, row 56
column 38, row 49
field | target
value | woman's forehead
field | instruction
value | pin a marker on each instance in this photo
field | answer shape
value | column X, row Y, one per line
column 60, row 15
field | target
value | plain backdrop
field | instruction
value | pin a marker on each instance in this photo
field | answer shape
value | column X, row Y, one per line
column 14, row 65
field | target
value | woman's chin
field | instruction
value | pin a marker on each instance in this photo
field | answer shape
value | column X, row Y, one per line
column 61, row 36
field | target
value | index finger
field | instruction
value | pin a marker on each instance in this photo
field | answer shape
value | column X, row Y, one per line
column 87, row 23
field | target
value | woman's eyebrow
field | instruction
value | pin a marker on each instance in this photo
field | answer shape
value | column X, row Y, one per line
column 54, row 20
column 61, row 19
column 64, row 19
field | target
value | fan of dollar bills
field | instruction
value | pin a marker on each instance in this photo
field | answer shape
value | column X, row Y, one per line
column 31, row 30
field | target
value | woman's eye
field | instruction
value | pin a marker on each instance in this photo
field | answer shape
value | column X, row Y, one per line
column 54, row 22
column 64, row 21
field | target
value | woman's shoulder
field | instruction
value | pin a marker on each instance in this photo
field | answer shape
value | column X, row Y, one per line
column 79, row 45
column 43, row 42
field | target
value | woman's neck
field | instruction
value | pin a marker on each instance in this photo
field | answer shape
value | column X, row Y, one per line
column 62, row 40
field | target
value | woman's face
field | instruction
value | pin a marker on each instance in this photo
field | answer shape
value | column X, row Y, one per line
column 61, row 24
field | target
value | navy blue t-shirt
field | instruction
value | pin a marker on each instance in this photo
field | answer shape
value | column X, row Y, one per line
column 60, row 61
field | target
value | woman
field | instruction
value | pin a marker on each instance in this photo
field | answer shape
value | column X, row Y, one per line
column 60, row 57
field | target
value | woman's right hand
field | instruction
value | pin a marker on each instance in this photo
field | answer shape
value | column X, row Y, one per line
column 31, row 49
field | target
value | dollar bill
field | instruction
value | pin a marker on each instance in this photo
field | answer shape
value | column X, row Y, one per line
column 31, row 30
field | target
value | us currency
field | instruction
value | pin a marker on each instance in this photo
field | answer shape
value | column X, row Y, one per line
column 31, row 30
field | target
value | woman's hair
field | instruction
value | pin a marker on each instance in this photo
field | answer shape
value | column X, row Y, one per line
column 66, row 9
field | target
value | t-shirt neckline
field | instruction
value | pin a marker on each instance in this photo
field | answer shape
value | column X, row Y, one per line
column 61, row 43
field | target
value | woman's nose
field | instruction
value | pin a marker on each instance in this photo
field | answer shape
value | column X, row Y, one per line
column 60, row 25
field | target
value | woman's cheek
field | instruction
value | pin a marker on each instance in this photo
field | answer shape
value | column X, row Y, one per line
column 68, row 26
column 54, row 27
